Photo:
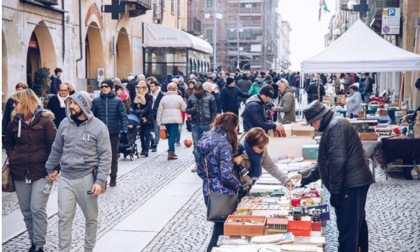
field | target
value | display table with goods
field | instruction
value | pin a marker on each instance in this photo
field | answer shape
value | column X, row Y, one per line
column 272, row 218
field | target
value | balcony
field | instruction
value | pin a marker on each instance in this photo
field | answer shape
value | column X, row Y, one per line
column 137, row 7
column 48, row 2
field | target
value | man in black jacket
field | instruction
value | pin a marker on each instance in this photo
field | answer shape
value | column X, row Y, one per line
column 55, row 80
column 344, row 170
column 255, row 115
column 111, row 111
column 157, row 96
column 230, row 96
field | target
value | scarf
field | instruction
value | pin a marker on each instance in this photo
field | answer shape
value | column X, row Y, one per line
column 255, row 170
column 62, row 101
column 140, row 99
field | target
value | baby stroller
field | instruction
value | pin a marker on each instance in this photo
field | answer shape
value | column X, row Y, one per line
column 130, row 148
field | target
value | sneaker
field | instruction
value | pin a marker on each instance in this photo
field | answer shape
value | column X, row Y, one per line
column 154, row 149
column 194, row 169
column 177, row 144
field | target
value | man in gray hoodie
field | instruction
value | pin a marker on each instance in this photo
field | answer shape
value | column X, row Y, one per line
column 83, row 149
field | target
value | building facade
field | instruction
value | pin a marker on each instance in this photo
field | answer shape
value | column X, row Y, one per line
column 79, row 36
column 244, row 34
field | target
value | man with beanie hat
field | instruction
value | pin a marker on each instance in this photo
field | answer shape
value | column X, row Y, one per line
column 344, row 171
column 108, row 108
column 83, row 149
column 230, row 96
column 254, row 114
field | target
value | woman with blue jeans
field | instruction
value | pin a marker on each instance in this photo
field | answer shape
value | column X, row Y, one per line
column 169, row 114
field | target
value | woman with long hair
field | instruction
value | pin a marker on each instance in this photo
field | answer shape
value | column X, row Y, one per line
column 215, row 165
column 28, row 142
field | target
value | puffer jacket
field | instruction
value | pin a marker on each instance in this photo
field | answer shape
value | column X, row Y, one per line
column 28, row 150
column 170, row 108
column 286, row 105
column 215, row 150
column 342, row 161
column 206, row 106
column 256, row 86
column 110, row 110
column 254, row 115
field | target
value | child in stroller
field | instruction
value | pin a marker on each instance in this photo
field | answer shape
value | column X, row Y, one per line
column 130, row 148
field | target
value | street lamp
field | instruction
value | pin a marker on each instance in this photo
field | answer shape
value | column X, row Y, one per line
column 216, row 15
column 239, row 29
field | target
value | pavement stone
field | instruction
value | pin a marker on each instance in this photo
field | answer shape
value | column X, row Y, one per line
column 392, row 211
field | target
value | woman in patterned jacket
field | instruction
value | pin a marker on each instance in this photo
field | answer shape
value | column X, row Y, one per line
column 216, row 148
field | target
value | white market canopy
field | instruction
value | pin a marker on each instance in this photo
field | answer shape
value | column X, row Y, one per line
column 360, row 49
column 156, row 35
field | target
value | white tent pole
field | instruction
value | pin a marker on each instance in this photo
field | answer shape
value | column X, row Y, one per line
column 416, row 37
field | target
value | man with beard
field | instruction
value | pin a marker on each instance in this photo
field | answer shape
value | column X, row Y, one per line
column 83, row 149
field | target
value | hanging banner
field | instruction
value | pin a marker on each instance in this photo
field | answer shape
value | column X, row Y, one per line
column 391, row 21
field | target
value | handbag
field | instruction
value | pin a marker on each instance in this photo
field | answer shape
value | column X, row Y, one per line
column 219, row 206
column 163, row 133
column 7, row 182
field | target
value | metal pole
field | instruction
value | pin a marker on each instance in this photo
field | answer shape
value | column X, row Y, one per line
column 237, row 44
column 214, row 36
column 416, row 37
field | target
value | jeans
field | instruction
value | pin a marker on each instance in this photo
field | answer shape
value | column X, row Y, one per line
column 33, row 200
column 197, row 131
column 172, row 129
column 70, row 193
column 115, row 139
column 178, row 135
column 145, row 138
column 155, row 141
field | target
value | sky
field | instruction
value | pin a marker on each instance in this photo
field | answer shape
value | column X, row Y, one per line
column 307, row 36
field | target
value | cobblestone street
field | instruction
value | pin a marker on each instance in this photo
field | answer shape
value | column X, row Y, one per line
column 392, row 211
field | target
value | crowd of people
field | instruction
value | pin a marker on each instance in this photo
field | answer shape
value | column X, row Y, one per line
column 78, row 138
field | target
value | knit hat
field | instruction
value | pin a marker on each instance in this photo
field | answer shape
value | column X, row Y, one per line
column 267, row 90
column 118, row 87
column 83, row 100
column 229, row 80
column 109, row 83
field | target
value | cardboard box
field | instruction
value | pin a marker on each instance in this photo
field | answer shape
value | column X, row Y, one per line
column 303, row 131
column 368, row 136
column 245, row 225
column 310, row 151
column 288, row 146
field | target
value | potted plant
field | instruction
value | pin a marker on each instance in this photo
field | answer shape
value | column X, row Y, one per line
column 41, row 85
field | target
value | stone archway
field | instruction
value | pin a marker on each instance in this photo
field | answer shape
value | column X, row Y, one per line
column 41, row 52
column 93, row 51
column 5, row 86
column 123, row 51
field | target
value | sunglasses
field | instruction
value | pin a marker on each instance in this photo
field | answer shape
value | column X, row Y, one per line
column 16, row 102
column 65, row 90
column 140, row 87
column 104, row 86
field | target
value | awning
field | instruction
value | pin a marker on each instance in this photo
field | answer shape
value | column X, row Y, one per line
column 156, row 35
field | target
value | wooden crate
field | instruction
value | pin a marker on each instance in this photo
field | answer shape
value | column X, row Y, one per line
column 245, row 225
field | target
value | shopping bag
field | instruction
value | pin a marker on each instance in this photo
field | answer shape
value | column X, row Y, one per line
column 7, row 182
column 163, row 134
column 220, row 206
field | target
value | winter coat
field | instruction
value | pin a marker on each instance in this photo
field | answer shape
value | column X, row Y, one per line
column 368, row 89
column 206, row 106
column 230, row 98
column 342, row 162
column 170, row 108
column 244, row 85
column 144, row 112
column 286, row 105
column 28, row 151
column 156, row 103
column 312, row 92
column 266, row 163
column 354, row 103
column 55, row 82
column 254, row 114
column 110, row 110
column 7, row 115
column 215, row 150
column 256, row 86
column 59, row 112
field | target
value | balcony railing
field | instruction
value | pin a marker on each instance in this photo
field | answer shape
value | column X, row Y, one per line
column 137, row 7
